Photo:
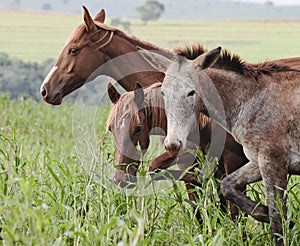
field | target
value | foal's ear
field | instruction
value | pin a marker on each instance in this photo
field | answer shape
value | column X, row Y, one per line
column 139, row 95
column 157, row 61
column 113, row 94
column 89, row 23
column 100, row 16
column 208, row 59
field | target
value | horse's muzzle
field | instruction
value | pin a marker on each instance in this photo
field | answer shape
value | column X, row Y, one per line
column 54, row 100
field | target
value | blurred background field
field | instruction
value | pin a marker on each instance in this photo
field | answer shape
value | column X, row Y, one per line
column 38, row 36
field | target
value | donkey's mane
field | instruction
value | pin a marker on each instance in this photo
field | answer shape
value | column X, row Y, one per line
column 233, row 62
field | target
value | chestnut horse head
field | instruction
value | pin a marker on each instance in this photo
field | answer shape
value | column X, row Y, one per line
column 131, row 121
column 92, row 45
column 79, row 58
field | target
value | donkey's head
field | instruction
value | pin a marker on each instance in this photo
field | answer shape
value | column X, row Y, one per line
column 181, row 93
column 128, row 124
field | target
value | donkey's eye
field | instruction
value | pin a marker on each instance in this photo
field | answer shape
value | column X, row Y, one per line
column 191, row 93
column 138, row 129
column 73, row 51
column 162, row 93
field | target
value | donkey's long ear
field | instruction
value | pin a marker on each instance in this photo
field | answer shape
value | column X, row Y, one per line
column 113, row 94
column 100, row 16
column 157, row 61
column 208, row 59
column 139, row 95
column 89, row 23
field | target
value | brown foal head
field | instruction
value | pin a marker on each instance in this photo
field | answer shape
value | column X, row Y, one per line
column 129, row 125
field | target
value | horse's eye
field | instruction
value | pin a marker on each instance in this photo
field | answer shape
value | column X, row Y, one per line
column 73, row 51
column 162, row 93
column 191, row 93
column 138, row 129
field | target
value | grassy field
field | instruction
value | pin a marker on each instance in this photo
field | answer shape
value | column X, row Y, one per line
column 37, row 37
column 55, row 193
column 56, row 178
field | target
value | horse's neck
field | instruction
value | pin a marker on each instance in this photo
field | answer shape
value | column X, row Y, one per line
column 131, row 67
column 233, row 90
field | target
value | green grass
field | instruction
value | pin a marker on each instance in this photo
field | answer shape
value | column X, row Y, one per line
column 56, row 189
column 57, row 162
column 37, row 37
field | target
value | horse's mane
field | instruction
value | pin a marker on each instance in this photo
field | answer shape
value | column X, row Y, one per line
column 124, row 106
column 140, row 42
column 233, row 62
column 81, row 30
column 154, row 105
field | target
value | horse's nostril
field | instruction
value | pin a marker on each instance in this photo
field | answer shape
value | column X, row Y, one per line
column 43, row 92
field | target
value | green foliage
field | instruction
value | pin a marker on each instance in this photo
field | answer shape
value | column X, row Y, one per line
column 22, row 79
column 51, row 195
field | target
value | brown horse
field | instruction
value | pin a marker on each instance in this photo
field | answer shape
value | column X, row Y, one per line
column 98, row 49
column 257, row 103
column 132, row 120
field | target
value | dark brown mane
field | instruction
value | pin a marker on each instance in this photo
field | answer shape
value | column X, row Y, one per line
column 234, row 63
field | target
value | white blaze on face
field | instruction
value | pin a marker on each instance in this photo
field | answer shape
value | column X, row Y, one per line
column 49, row 76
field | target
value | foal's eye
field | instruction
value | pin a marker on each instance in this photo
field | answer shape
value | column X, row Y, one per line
column 138, row 129
column 73, row 51
column 191, row 93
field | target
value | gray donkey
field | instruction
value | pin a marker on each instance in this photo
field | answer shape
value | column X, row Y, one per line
column 259, row 104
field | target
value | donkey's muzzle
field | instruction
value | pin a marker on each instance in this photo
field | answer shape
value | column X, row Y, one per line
column 173, row 147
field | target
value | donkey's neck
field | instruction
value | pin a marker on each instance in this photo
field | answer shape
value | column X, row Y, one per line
column 128, row 66
column 234, row 90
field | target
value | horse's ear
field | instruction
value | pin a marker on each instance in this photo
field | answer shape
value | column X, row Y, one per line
column 89, row 23
column 139, row 95
column 113, row 94
column 100, row 16
column 208, row 59
column 157, row 61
